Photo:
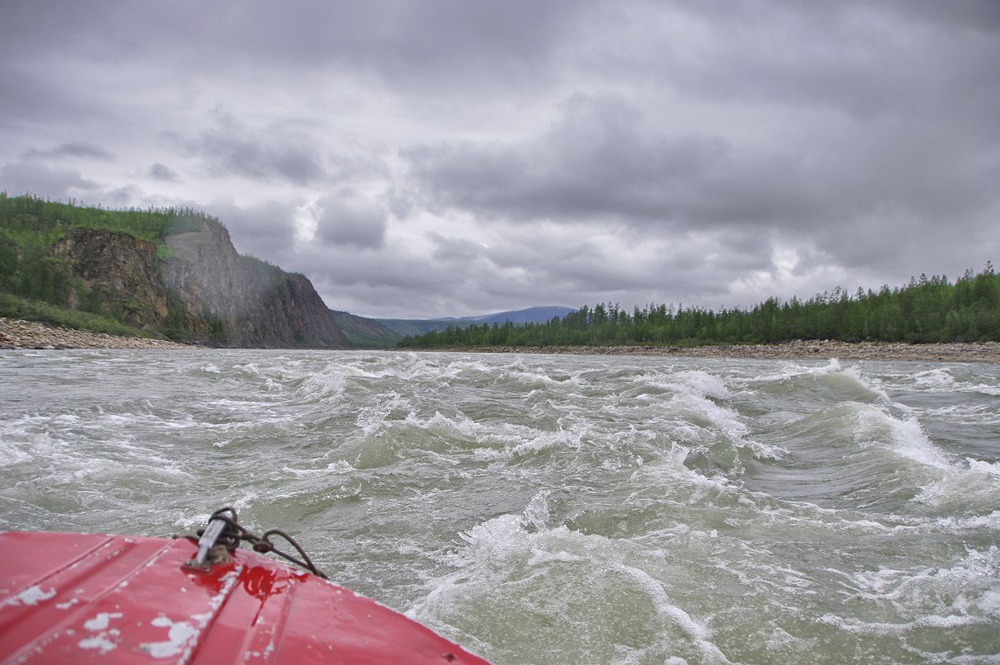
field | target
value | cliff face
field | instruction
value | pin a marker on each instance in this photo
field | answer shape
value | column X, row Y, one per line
column 119, row 276
column 203, row 291
column 255, row 304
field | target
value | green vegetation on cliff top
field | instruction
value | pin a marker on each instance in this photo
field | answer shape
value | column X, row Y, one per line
column 33, row 216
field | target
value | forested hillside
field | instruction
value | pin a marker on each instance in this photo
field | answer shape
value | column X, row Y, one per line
column 925, row 310
column 364, row 333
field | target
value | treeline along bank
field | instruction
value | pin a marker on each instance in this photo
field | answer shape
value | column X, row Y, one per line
column 927, row 310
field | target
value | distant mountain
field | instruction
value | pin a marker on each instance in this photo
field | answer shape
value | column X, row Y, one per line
column 404, row 327
column 530, row 315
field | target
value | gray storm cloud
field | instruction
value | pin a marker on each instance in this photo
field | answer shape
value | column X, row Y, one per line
column 441, row 158
column 350, row 219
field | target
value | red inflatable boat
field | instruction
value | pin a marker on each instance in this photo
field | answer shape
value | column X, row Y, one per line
column 87, row 598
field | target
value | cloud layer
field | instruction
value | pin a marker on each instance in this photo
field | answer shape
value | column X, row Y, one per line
column 441, row 158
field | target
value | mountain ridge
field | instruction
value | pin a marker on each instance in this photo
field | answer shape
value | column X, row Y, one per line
column 537, row 314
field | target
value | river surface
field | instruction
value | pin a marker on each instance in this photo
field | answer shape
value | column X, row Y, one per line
column 555, row 509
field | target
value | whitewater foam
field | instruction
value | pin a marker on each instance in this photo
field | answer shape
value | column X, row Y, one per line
column 555, row 509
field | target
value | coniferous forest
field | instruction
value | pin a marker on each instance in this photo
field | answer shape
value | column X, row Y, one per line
column 928, row 309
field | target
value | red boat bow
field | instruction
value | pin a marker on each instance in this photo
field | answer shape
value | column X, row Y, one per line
column 79, row 598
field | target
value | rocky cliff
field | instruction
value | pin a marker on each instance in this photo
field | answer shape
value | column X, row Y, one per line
column 199, row 289
column 253, row 303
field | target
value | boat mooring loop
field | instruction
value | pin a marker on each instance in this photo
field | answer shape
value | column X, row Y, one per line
column 224, row 531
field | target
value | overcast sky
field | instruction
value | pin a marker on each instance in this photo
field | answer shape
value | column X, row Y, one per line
column 455, row 157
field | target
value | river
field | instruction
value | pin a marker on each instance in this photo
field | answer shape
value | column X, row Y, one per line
column 555, row 509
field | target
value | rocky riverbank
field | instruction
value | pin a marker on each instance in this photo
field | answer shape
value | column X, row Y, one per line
column 17, row 334
column 818, row 349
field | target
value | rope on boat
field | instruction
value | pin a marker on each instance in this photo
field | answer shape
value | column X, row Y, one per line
column 225, row 530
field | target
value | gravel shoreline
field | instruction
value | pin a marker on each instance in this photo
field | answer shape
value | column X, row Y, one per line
column 988, row 352
column 18, row 334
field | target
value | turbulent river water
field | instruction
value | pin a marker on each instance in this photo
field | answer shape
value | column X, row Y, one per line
column 555, row 509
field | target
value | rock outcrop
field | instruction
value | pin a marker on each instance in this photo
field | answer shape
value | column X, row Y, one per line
column 251, row 303
column 119, row 276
